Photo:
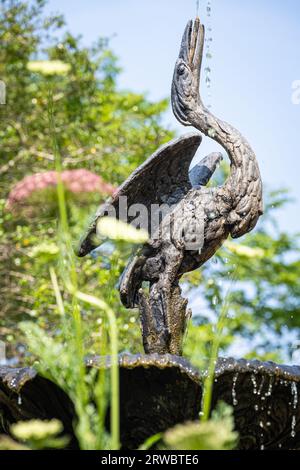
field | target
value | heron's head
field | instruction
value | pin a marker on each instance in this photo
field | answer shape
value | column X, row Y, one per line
column 186, row 78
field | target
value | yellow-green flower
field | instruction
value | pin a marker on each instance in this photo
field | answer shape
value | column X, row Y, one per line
column 118, row 230
column 36, row 429
column 48, row 67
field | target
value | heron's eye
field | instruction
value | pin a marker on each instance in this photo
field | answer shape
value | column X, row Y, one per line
column 181, row 69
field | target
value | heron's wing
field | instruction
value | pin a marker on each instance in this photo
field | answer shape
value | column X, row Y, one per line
column 161, row 179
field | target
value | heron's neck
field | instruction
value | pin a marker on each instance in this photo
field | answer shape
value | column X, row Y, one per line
column 244, row 166
column 237, row 147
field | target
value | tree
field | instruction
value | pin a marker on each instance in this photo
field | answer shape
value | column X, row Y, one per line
column 97, row 126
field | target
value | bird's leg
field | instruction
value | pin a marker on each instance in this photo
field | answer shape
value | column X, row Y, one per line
column 154, row 331
column 174, row 305
column 166, row 309
column 177, row 314
column 163, row 317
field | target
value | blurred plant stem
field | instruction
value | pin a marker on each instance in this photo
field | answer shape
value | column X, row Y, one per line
column 210, row 376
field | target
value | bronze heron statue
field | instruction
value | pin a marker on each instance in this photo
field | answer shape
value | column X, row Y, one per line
column 199, row 218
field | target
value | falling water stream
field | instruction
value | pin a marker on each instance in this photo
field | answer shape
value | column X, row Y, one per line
column 264, row 389
column 294, row 392
column 208, row 53
column 253, row 380
column 234, row 399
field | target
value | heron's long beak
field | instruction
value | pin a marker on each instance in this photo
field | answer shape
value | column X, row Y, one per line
column 192, row 44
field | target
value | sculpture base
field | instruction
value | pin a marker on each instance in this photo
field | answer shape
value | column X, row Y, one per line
column 157, row 392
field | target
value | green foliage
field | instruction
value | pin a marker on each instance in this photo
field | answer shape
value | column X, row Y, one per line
column 98, row 127
column 216, row 434
column 60, row 362
column 7, row 443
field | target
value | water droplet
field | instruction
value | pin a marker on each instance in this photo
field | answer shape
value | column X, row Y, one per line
column 294, row 391
column 270, row 388
column 261, row 386
column 293, row 428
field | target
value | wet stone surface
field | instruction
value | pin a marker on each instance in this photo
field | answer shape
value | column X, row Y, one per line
column 157, row 392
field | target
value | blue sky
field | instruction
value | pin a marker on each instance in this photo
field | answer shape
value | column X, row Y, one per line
column 256, row 58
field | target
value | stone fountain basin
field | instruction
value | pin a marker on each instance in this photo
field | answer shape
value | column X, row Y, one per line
column 157, row 392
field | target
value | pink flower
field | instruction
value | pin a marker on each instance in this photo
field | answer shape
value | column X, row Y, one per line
column 76, row 181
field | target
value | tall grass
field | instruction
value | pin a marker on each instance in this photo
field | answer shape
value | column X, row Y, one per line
column 68, row 274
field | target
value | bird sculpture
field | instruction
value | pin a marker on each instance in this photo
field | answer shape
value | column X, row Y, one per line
column 196, row 219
